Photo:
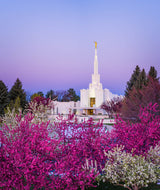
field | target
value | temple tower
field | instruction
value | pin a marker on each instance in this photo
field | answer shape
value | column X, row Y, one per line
column 93, row 97
column 95, row 76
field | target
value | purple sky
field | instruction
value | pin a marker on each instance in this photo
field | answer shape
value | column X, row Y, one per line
column 49, row 44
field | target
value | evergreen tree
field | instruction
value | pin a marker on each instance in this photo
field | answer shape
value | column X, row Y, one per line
column 17, row 105
column 40, row 94
column 51, row 94
column 152, row 73
column 141, row 97
column 70, row 96
column 141, row 80
column 145, row 90
column 17, row 91
column 132, row 80
column 3, row 97
column 9, row 107
column 13, row 105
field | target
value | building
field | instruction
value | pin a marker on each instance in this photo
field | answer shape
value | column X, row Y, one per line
column 91, row 99
column 66, row 107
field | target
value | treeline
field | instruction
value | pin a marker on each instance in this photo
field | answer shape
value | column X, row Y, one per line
column 59, row 95
column 141, row 90
column 16, row 97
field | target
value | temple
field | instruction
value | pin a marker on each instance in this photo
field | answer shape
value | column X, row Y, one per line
column 91, row 99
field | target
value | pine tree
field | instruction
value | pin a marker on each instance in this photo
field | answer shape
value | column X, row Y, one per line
column 152, row 73
column 132, row 80
column 17, row 91
column 70, row 96
column 3, row 97
column 145, row 90
column 51, row 94
column 17, row 105
column 141, row 98
column 141, row 80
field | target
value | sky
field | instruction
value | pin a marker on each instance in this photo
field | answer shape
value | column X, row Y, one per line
column 49, row 44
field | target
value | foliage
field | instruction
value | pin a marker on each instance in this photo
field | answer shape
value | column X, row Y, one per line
column 137, row 80
column 138, row 136
column 62, row 95
column 113, row 106
column 45, row 156
column 39, row 100
column 151, row 93
column 141, row 80
column 59, row 94
column 3, row 97
column 51, row 94
column 141, row 97
column 153, row 73
column 141, row 90
column 133, row 160
column 34, row 95
column 40, row 107
column 17, row 105
column 40, row 94
column 10, row 118
column 70, row 96
column 131, row 83
column 131, row 171
column 70, row 155
column 20, row 154
column 17, row 91
column 131, row 105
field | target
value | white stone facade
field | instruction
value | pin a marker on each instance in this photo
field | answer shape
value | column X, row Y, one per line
column 95, row 90
column 91, row 99
column 65, row 107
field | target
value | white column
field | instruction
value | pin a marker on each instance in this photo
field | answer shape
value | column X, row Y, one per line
column 95, row 75
column 95, row 62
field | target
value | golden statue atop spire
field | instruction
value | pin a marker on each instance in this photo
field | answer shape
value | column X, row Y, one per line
column 95, row 44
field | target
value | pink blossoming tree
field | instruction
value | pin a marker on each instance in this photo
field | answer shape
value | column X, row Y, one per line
column 35, row 155
column 138, row 136
column 54, row 155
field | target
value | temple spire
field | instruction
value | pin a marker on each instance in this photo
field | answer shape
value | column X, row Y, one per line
column 95, row 60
